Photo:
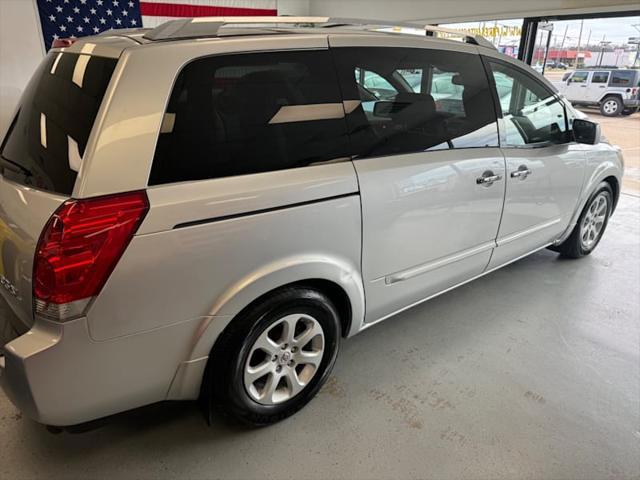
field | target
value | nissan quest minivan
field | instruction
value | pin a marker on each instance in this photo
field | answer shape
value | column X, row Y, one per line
column 206, row 209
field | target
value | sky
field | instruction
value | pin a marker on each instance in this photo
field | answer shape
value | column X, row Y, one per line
column 616, row 30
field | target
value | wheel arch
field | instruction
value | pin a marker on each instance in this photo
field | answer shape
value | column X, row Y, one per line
column 608, row 171
column 615, row 187
column 607, row 95
column 338, row 278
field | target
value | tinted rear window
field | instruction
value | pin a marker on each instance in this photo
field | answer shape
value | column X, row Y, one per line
column 625, row 78
column 241, row 114
column 47, row 139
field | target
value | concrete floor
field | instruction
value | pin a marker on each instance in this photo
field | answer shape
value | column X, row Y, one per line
column 530, row 372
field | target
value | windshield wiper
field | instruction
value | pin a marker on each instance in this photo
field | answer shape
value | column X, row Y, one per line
column 15, row 166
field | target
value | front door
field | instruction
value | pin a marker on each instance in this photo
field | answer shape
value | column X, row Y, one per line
column 544, row 169
column 431, row 176
column 576, row 88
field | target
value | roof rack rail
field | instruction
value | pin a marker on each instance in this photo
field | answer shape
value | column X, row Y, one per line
column 200, row 27
column 430, row 30
column 203, row 27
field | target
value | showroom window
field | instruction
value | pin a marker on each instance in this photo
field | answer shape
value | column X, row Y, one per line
column 532, row 114
column 241, row 114
column 422, row 100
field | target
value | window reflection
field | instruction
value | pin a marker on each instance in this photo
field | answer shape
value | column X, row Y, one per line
column 532, row 113
column 415, row 100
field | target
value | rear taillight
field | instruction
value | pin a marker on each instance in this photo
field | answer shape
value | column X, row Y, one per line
column 79, row 248
column 63, row 42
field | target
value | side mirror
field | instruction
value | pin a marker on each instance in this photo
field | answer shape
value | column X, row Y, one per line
column 383, row 108
column 585, row 131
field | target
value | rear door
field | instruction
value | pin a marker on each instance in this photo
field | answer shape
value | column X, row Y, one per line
column 430, row 172
column 545, row 170
column 40, row 157
column 596, row 88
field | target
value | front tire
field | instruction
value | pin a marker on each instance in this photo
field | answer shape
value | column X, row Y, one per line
column 590, row 226
column 611, row 106
column 272, row 359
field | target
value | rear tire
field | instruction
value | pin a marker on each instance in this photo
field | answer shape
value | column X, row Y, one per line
column 590, row 226
column 271, row 337
column 611, row 106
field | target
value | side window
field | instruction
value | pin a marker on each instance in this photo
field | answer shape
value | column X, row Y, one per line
column 579, row 77
column 241, row 114
column 413, row 78
column 437, row 100
column 532, row 114
column 623, row 78
column 600, row 77
column 374, row 84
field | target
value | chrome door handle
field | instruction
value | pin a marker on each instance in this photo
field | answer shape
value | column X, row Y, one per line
column 488, row 178
column 522, row 172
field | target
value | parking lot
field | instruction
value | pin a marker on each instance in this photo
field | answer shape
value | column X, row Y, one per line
column 624, row 132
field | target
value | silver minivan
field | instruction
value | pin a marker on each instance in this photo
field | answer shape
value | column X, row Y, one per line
column 206, row 209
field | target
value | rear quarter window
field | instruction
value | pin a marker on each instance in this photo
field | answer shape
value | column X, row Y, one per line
column 623, row 78
column 48, row 136
column 240, row 114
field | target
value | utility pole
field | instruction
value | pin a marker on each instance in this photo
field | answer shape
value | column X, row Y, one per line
column 635, row 61
column 564, row 37
column 579, row 42
column 602, row 45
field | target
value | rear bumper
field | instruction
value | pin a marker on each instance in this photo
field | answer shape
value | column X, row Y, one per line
column 631, row 102
column 58, row 375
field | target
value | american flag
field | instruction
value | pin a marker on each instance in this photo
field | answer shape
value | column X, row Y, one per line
column 79, row 18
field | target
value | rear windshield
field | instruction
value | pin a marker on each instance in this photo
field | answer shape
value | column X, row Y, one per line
column 47, row 138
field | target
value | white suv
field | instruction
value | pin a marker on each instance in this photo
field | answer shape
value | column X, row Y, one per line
column 205, row 210
column 615, row 92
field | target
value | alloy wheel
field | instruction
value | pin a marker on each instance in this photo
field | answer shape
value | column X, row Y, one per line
column 610, row 107
column 593, row 222
column 283, row 359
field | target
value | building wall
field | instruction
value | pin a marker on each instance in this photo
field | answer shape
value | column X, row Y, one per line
column 610, row 59
column 21, row 50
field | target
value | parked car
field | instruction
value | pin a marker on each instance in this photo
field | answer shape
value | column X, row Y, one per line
column 193, row 213
column 614, row 91
column 557, row 65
